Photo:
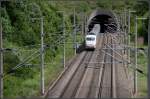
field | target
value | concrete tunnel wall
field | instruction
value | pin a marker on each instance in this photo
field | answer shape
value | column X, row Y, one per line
column 107, row 20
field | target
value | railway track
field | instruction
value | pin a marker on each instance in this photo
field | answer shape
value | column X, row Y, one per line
column 123, row 88
column 87, row 82
column 107, row 79
column 94, row 74
column 120, row 85
column 76, row 79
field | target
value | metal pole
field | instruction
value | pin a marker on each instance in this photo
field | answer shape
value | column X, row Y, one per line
column 63, row 29
column 125, row 37
column 83, row 27
column 122, row 41
column 64, row 39
column 121, row 27
column 135, row 72
column 74, row 22
column 86, row 28
column 1, row 57
column 148, row 81
column 42, row 57
column 129, row 36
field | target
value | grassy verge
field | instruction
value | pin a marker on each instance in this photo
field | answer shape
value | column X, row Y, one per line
column 27, row 81
column 56, row 66
column 142, row 79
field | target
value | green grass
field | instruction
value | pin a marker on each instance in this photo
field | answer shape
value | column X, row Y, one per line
column 28, row 84
column 142, row 79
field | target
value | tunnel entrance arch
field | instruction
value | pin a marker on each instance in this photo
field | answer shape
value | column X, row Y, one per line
column 105, row 18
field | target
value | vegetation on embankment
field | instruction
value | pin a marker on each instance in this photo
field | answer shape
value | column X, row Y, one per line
column 22, row 34
column 142, row 78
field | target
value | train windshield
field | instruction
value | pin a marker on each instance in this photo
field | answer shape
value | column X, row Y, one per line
column 91, row 33
column 90, row 38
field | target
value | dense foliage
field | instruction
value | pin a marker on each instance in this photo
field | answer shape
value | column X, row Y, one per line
column 21, row 31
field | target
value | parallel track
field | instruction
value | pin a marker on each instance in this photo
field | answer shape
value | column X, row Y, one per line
column 93, row 75
column 72, row 86
column 87, row 82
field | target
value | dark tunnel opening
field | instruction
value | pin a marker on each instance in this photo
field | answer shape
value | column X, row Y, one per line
column 107, row 23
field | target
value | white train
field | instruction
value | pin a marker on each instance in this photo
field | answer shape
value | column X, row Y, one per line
column 90, row 41
column 96, row 29
column 91, row 37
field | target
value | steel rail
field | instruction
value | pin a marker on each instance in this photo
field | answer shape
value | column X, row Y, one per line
column 117, row 53
column 114, row 93
column 74, row 77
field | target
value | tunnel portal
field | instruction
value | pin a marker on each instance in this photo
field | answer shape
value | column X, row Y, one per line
column 107, row 20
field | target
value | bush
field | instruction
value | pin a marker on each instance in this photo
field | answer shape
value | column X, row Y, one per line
column 10, row 61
